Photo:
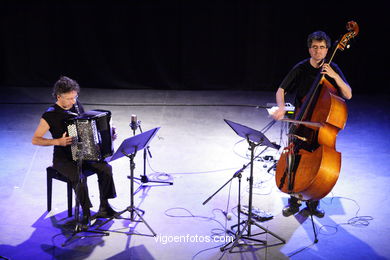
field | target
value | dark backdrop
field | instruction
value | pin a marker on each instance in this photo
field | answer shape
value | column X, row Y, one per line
column 247, row 45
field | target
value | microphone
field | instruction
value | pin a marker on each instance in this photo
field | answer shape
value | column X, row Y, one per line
column 150, row 154
column 133, row 123
column 228, row 216
column 77, row 108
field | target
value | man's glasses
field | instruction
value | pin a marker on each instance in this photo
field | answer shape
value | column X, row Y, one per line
column 315, row 47
column 69, row 98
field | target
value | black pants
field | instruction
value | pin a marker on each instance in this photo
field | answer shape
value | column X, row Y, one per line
column 105, row 179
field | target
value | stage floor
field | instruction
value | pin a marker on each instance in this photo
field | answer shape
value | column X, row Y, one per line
column 199, row 152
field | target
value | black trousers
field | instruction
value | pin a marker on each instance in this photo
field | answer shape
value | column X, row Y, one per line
column 104, row 174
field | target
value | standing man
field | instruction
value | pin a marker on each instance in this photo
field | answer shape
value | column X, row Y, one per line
column 299, row 80
column 65, row 92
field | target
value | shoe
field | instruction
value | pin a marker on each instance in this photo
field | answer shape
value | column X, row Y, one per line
column 106, row 212
column 292, row 207
column 318, row 212
column 290, row 210
column 85, row 222
column 313, row 208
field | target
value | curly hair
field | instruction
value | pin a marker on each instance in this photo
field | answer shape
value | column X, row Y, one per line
column 318, row 36
column 65, row 85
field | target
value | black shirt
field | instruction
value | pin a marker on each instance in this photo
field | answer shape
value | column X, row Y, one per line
column 56, row 116
column 301, row 77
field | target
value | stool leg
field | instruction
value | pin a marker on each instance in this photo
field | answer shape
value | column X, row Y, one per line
column 70, row 199
column 49, row 191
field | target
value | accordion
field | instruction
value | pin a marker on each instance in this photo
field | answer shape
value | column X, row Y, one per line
column 92, row 135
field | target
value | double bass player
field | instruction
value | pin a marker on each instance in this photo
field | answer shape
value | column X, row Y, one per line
column 299, row 80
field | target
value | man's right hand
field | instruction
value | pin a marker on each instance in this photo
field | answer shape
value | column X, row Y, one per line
column 65, row 140
column 279, row 114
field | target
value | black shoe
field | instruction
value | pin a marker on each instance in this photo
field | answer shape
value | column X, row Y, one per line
column 313, row 208
column 292, row 207
column 85, row 222
column 290, row 210
column 318, row 212
column 106, row 212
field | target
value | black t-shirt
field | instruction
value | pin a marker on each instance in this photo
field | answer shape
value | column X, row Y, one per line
column 56, row 116
column 301, row 77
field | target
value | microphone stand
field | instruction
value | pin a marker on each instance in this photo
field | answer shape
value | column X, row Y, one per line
column 144, row 178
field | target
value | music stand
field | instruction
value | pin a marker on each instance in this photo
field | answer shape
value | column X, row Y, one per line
column 255, row 138
column 129, row 148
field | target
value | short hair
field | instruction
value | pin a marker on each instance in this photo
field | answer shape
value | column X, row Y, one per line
column 318, row 36
column 65, row 85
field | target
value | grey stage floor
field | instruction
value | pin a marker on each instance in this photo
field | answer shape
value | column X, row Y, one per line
column 200, row 153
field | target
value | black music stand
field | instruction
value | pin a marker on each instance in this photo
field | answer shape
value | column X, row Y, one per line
column 255, row 138
column 129, row 148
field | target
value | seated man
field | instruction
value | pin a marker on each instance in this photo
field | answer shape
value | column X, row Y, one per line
column 65, row 92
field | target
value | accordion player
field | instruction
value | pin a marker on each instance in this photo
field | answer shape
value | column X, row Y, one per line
column 92, row 135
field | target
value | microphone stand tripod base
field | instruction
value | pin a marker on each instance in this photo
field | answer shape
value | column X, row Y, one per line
column 144, row 180
column 248, row 239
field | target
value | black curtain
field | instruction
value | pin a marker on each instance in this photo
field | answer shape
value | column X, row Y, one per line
column 243, row 45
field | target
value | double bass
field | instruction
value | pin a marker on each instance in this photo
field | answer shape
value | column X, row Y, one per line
column 309, row 166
